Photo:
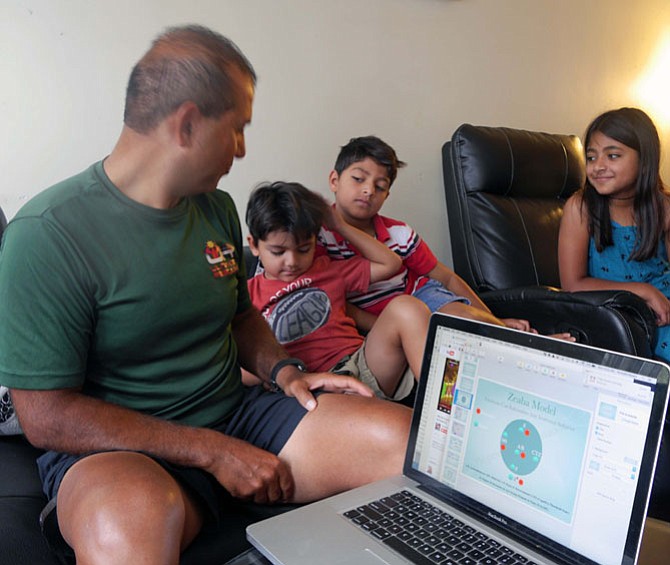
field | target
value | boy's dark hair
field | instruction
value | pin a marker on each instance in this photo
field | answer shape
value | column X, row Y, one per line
column 379, row 151
column 285, row 206
column 635, row 129
column 184, row 63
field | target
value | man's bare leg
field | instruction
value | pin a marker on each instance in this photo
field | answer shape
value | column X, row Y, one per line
column 346, row 442
column 123, row 507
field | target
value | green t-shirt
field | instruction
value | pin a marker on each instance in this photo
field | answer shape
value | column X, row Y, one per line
column 131, row 303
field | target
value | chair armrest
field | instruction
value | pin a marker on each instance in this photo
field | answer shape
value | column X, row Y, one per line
column 610, row 319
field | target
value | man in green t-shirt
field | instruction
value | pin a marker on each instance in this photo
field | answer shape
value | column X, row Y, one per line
column 126, row 319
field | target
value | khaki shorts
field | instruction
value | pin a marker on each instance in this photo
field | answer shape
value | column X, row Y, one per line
column 356, row 366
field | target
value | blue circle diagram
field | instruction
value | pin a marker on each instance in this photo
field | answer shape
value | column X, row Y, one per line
column 521, row 447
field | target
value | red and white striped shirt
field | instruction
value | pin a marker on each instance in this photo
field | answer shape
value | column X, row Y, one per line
column 417, row 261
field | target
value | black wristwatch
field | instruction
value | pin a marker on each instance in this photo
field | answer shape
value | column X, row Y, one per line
column 274, row 387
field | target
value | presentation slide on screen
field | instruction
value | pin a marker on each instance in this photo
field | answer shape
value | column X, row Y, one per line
column 525, row 446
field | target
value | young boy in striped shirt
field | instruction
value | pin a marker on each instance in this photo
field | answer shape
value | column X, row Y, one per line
column 361, row 181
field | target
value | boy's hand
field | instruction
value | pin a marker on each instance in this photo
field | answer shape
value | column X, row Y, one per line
column 516, row 324
column 333, row 219
column 565, row 336
column 300, row 385
column 524, row 326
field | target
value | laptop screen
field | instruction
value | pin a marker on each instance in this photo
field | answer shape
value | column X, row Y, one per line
column 543, row 439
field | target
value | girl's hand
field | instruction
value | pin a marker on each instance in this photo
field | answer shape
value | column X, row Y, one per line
column 658, row 302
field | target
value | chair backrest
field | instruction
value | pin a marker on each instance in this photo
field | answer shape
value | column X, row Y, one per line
column 505, row 191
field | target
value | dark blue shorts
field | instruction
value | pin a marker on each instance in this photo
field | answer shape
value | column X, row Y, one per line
column 264, row 419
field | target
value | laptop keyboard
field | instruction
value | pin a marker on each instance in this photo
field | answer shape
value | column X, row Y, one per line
column 425, row 534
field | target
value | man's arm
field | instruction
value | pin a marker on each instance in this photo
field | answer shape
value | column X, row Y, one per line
column 66, row 420
column 259, row 351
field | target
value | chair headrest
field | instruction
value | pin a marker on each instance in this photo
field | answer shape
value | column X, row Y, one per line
column 518, row 163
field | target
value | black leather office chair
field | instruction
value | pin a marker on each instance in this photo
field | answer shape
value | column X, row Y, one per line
column 505, row 190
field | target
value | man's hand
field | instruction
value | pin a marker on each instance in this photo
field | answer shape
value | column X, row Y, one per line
column 53, row 420
column 250, row 473
column 300, row 385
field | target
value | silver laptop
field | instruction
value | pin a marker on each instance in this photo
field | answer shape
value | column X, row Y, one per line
column 523, row 449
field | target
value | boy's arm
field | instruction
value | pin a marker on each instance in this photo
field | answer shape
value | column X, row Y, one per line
column 452, row 282
column 364, row 319
column 384, row 263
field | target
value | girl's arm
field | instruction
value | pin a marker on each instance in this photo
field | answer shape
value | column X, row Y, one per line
column 573, row 249
column 384, row 263
column 573, row 253
column 573, row 257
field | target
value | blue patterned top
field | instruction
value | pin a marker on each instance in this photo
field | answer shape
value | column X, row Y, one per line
column 613, row 264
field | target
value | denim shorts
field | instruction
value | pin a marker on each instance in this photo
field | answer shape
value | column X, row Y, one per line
column 264, row 419
column 434, row 295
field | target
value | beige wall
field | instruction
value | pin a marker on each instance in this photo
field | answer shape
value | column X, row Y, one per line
column 410, row 71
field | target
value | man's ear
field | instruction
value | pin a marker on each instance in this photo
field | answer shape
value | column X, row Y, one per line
column 187, row 117
column 334, row 180
column 252, row 246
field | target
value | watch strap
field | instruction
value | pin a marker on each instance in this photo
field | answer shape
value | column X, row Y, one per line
column 274, row 387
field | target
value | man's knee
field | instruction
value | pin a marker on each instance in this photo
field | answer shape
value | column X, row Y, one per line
column 116, row 500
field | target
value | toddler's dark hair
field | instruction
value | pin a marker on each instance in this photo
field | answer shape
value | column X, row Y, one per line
column 360, row 148
column 285, row 206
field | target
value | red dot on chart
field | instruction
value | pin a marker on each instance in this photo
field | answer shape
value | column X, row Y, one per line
column 521, row 482
column 479, row 410
column 527, row 432
column 502, row 447
column 523, row 455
